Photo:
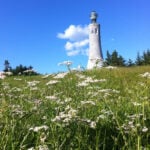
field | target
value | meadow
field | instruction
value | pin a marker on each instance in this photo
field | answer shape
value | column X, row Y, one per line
column 99, row 109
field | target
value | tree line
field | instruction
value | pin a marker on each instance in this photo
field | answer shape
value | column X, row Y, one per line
column 112, row 59
column 115, row 59
column 19, row 70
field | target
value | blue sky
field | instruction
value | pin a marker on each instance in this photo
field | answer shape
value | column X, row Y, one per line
column 43, row 33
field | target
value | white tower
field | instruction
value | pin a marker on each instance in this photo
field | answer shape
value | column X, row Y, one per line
column 95, row 51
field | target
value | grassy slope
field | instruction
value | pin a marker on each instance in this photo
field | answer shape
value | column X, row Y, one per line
column 98, row 109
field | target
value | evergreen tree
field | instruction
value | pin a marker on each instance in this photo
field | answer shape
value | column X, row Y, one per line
column 7, row 66
column 121, row 61
column 139, row 60
column 146, row 57
column 23, row 70
column 130, row 63
column 108, row 58
column 114, row 59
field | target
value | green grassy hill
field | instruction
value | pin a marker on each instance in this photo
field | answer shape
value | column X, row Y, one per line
column 100, row 109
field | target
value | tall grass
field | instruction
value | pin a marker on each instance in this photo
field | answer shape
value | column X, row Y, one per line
column 100, row 109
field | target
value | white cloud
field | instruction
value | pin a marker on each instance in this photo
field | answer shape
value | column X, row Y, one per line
column 112, row 39
column 74, row 33
column 77, row 39
column 73, row 53
column 76, row 45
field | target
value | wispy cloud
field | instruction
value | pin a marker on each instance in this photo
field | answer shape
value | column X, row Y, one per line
column 77, row 39
column 73, row 52
column 112, row 39
column 76, row 45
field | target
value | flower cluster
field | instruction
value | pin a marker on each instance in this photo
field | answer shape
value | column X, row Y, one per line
column 146, row 75
column 69, row 114
column 39, row 128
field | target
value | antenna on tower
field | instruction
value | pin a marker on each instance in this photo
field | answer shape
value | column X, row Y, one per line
column 93, row 16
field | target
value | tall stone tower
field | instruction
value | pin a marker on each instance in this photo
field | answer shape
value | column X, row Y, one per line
column 95, row 50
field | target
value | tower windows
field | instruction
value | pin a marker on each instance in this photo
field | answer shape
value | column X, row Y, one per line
column 94, row 31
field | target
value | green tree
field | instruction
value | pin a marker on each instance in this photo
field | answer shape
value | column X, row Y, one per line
column 7, row 66
column 24, row 70
column 146, row 57
column 139, row 60
column 108, row 58
column 121, row 61
column 114, row 59
column 130, row 63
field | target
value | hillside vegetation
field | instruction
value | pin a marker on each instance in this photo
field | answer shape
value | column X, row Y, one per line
column 99, row 109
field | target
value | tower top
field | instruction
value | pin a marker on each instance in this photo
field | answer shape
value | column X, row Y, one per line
column 93, row 16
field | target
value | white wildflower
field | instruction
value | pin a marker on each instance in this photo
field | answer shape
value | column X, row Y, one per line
column 131, row 125
column 66, row 115
column 136, row 104
column 109, row 90
column 141, row 84
column 107, row 112
column 83, row 84
column 72, row 112
column 110, row 67
column 81, row 76
column 34, row 88
column 93, row 124
column 37, row 101
column 52, row 82
column 15, row 89
column 57, row 118
column 17, row 79
column 145, row 129
column 102, row 80
column 43, row 147
column 130, row 122
column 93, row 94
column 66, row 120
column 40, row 147
column 90, row 80
column 42, row 137
column 31, row 148
column 8, row 73
column 67, row 108
column 115, row 91
column 135, row 116
column 146, row 75
column 86, row 120
column 102, row 116
column 44, row 117
column 46, row 76
column 87, row 102
column 53, row 97
column 33, row 83
column 138, row 125
column 60, row 75
column 38, row 128
column 29, row 71
column 68, row 100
